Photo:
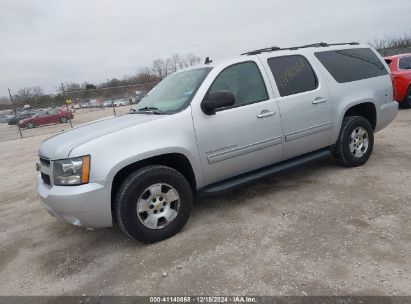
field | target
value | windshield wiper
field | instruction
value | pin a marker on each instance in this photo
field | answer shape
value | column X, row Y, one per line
column 147, row 109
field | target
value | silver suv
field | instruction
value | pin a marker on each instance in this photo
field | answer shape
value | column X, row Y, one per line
column 214, row 127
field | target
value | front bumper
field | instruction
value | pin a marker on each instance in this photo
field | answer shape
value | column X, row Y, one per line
column 386, row 114
column 86, row 205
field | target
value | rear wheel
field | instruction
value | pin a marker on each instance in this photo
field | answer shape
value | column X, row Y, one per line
column 63, row 119
column 356, row 141
column 153, row 203
column 407, row 101
column 30, row 126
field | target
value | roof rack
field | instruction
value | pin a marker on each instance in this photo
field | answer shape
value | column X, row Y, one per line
column 276, row 48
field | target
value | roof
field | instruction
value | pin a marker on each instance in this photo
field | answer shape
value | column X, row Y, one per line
column 293, row 48
column 322, row 46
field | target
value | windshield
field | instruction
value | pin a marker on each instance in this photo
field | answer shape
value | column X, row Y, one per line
column 173, row 92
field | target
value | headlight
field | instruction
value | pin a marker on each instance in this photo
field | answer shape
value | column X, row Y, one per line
column 72, row 171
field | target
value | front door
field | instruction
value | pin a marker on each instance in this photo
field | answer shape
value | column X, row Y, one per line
column 243, row 137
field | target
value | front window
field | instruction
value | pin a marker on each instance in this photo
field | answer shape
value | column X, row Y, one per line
column 244, row 80
column 172, row 93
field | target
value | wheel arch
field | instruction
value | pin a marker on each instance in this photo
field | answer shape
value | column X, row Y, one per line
column 365, row 109
column 176, row 161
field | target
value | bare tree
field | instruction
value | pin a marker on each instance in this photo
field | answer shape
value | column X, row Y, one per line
column 392, row 42
column 4, row 100
column 165, row 67
column 23, row 94
column 192, row 59
column 177, row 63
column 70, row 87
column 158, row 67
column 144, row 75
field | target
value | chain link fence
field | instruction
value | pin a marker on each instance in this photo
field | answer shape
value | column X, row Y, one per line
column 73, row 109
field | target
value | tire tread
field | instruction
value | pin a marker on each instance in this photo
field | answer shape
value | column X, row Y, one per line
column 135, row 177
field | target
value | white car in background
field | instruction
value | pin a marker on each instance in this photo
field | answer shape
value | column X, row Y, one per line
column 120, row 103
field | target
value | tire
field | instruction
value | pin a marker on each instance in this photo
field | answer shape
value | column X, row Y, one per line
column 406, row 104
column 63, row 119
column 30, row 126
column 156, row 191
column 354, row 148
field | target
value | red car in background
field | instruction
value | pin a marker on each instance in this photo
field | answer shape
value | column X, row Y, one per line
column 45, row 118
column 400, row 66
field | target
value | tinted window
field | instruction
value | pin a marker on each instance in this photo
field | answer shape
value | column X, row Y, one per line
column 244, row 80
column 404, row 63
column 293, row 74
column 352, row 64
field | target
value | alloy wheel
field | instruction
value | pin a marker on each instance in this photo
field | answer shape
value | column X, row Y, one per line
column 158, row 206
column 359, row 142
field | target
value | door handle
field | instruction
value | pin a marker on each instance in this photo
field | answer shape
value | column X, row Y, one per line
column 266, row 113
column 319, row 100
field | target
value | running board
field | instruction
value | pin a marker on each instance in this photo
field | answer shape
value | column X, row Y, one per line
column 252, row 176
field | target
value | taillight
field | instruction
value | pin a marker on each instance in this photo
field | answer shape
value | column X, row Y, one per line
column 394, row 86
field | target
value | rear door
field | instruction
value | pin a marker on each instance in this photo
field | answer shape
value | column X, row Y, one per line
column 304, row 103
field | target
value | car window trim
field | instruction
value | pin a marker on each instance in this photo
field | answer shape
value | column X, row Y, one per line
column 238, row 106
column 317, row 81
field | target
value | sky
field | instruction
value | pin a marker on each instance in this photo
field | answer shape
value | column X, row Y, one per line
column 47, row 42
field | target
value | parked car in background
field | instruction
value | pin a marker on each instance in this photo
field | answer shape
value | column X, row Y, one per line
column 120, row 102
column 85, row 105
column 45, row 118
column 16, row 119
column 5, row 117
column 107, row 103
column 400, row 66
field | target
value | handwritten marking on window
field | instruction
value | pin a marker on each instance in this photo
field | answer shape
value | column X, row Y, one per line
column 291, row 72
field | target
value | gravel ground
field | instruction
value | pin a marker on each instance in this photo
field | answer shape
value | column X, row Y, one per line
column 317, row 230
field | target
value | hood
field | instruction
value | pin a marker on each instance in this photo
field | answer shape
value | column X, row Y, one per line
column 60, row 146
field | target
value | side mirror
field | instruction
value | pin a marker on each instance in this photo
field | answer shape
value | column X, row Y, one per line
column 216, row 100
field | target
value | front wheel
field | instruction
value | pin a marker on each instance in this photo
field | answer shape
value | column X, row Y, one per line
column 356, row 141
column 153, row 203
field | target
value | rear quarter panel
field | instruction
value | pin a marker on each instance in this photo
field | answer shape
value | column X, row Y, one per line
column 377, row 90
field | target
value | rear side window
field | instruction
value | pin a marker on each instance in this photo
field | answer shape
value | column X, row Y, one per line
column 352, row 64
column 404, row 63
column 293, row 74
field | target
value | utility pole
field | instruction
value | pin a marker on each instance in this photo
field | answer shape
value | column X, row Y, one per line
column 112, row 102
column 15, row 112
column 64, row 97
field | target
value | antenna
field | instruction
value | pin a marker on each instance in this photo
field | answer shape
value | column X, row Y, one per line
column 207, row 60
